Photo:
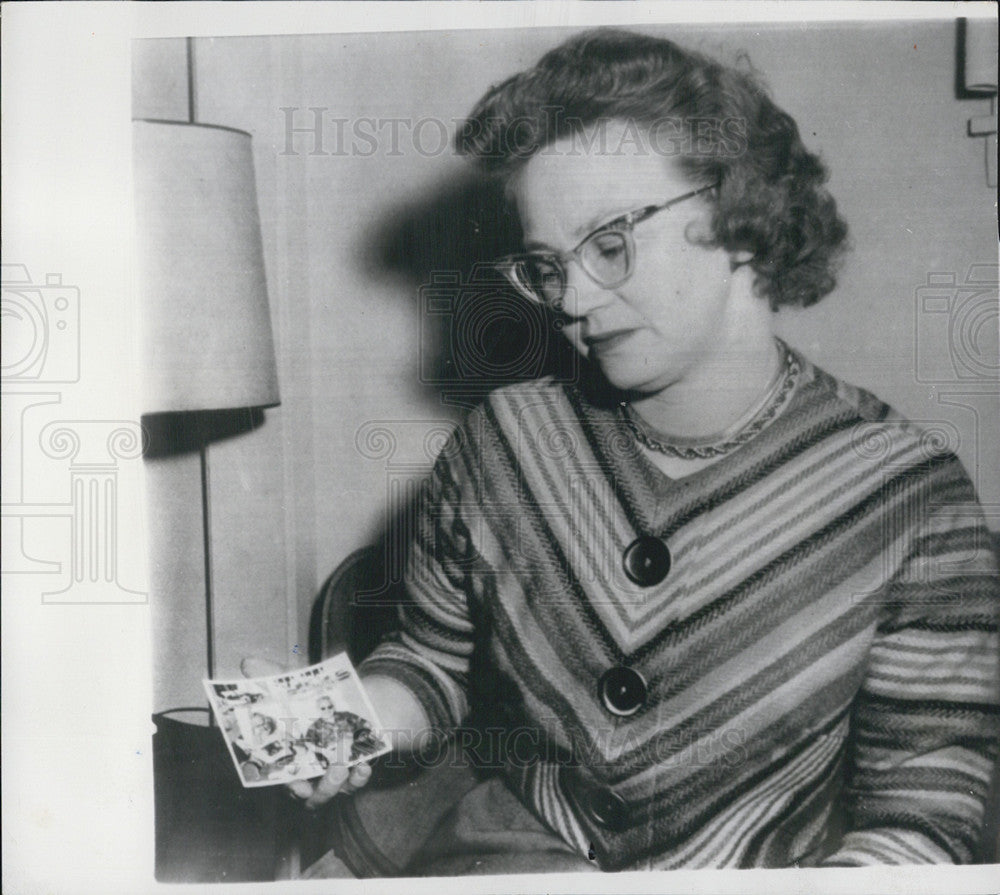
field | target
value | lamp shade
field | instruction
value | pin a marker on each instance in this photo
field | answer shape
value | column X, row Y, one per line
column 206, row 326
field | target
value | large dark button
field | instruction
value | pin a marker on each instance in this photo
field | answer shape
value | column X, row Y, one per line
column 622, row 690
column 607, row 809
column 646, row 561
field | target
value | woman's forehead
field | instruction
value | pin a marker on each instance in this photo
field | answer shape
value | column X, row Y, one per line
column 575, row 186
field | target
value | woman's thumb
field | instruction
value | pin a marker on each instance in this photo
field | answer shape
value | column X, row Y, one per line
column 254, row 666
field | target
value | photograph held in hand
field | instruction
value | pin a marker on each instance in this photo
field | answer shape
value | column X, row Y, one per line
column 294, row 725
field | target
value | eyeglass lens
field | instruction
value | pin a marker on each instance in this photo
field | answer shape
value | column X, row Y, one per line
column 605, row 257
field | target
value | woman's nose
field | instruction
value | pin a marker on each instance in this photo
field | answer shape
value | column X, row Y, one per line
column 583, row 295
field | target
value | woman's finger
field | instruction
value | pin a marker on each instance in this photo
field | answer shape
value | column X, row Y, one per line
column 301, row 789
column 359, row 776
column 328, row 786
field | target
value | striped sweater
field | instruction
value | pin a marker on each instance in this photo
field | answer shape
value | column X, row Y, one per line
column 820, row 662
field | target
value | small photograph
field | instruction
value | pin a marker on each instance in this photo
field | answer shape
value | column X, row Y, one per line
column 293, row 726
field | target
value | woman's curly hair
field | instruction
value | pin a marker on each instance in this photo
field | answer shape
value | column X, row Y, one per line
column 770, row 199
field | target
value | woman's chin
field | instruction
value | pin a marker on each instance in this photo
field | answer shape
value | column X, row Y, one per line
column 635, row 380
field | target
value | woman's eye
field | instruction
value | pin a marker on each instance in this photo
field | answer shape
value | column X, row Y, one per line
column 608, row 245
column 543, row 271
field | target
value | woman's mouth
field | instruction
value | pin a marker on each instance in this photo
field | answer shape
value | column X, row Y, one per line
column 606, row 342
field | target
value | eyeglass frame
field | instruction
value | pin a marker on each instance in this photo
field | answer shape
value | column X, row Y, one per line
column 623, row 224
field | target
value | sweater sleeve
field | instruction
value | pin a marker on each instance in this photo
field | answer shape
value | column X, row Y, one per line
column 431, row 651
column 925, row 725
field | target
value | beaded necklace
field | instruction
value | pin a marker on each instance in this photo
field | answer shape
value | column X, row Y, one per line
column 746, row 427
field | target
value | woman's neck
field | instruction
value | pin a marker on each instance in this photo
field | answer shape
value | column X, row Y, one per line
column 726, row 384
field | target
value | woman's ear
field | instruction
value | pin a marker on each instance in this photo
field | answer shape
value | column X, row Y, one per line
column 698, row 231
column 739, row 259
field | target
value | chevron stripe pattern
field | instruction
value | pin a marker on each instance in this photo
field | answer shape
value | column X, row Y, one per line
column 819, row 664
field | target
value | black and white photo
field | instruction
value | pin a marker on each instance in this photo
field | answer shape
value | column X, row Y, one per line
column 540, row 443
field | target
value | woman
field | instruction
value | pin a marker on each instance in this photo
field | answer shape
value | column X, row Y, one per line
column 729, row 610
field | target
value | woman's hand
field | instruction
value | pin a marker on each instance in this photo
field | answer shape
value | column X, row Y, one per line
column 337, row 779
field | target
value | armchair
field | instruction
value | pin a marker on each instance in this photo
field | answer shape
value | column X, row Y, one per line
column 376, row 831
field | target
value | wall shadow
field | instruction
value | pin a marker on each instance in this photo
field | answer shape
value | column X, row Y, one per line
column 170, row 434
column 477, row 332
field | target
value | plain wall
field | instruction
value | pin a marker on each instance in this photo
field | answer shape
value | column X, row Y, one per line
column 291, row 499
